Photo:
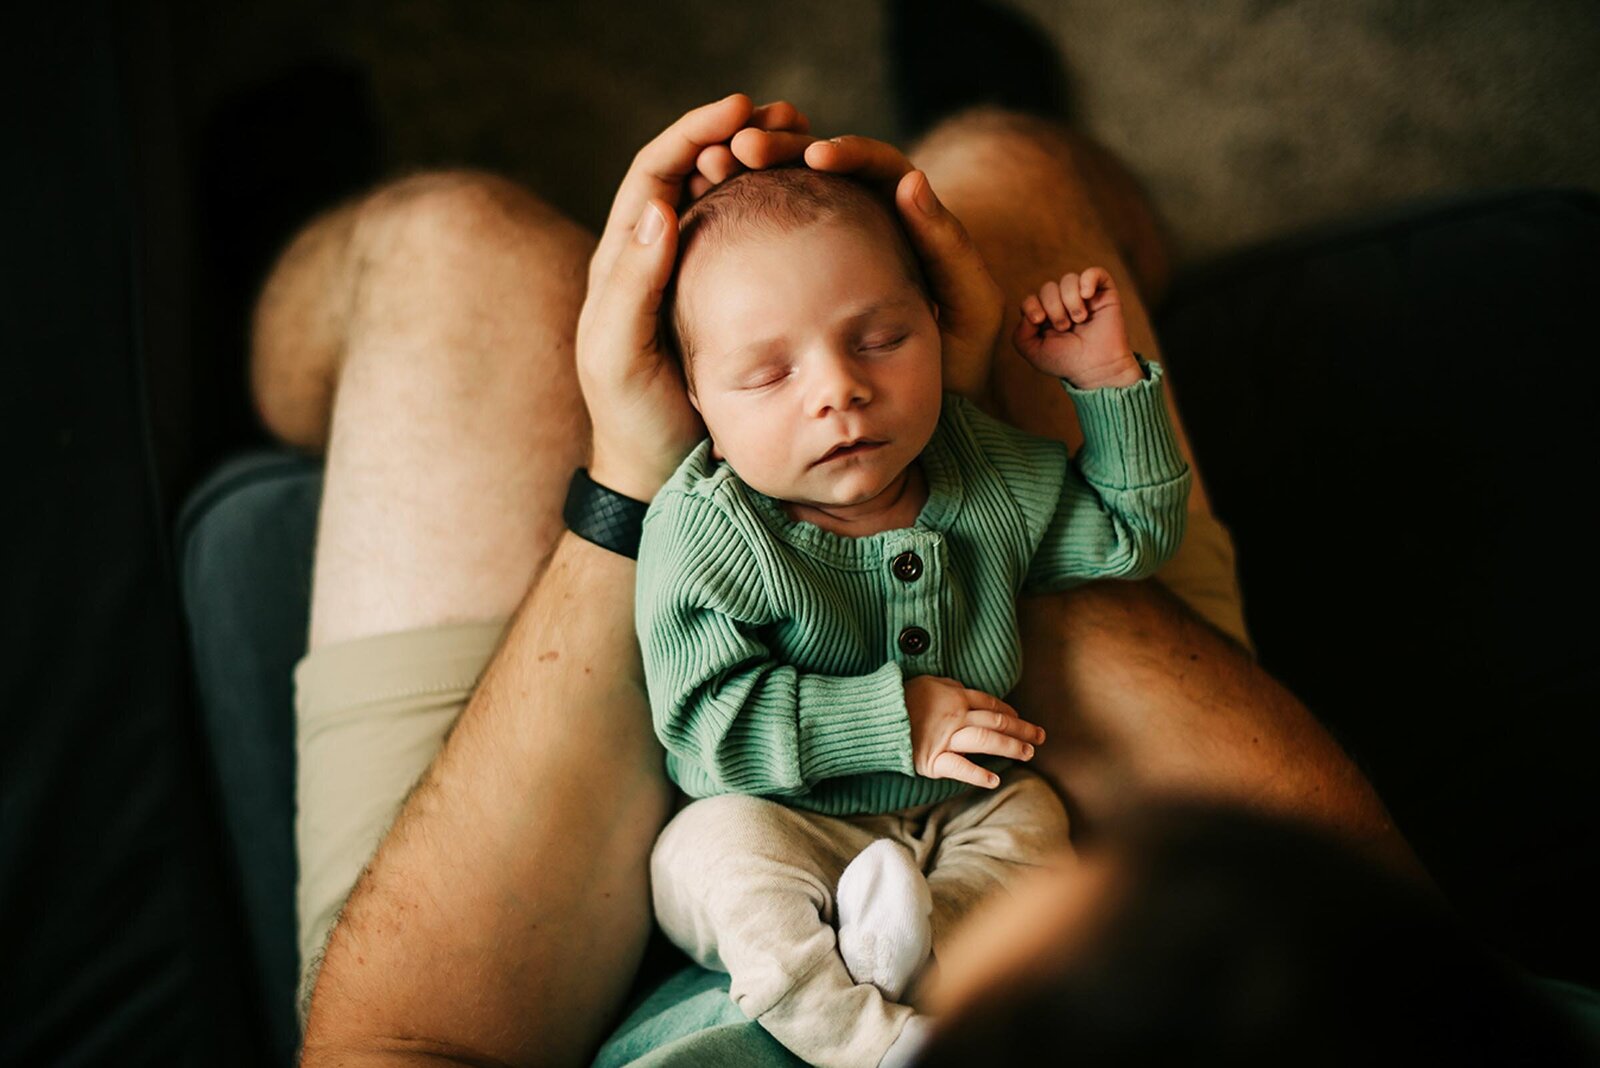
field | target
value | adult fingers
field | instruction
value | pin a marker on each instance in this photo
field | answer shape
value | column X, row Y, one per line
column 780, row 115
column 619, row 317
column 758, row 149
column 991, row 743
column 867, row 158
column 717, row 164
column 660, row 168
column 948, row 765
column 777, row 133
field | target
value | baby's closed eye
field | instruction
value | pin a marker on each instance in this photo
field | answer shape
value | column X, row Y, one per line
column 763, row 377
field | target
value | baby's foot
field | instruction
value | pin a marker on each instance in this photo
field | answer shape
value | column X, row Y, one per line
column 885, row 929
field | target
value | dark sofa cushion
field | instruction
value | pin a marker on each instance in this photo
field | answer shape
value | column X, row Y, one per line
column 247, row 535
column 1397, row 421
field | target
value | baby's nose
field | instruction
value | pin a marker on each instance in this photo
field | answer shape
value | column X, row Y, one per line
column 839, row 385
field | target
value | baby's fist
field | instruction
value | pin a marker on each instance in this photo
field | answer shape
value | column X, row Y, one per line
column 1073, row 329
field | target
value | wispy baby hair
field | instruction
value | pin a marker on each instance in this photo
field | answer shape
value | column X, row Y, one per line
column 770, row 203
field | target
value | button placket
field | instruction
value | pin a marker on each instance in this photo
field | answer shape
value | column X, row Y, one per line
column 912, row 575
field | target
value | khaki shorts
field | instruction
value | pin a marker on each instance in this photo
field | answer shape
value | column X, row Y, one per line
column 371, row 714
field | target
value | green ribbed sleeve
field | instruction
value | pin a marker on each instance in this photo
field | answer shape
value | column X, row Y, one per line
column 1125, row 497
column 1116, row 509
column 731, row 716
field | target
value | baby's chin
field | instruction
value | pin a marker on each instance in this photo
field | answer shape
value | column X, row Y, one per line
column 846, row 492
column 815, row 493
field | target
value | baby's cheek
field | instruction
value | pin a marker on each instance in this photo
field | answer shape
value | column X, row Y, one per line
column 763, row 461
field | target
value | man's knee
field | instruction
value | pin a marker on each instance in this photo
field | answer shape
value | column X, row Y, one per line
column 464, row 215
column 455, row 260
column 986, row 129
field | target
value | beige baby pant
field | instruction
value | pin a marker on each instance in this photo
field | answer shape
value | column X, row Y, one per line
column 745, row 885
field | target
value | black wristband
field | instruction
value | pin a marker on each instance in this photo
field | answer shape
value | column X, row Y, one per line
column 604, row 516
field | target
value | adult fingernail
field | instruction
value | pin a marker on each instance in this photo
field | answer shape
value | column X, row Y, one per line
column 650, row 226
column 925, row 198
column 1027, row 752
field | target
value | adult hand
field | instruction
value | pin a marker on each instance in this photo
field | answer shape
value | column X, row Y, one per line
column 643, row 423
column 970, row 302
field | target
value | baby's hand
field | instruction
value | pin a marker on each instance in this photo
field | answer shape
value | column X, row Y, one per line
column 947, row 719
column 1073, row 329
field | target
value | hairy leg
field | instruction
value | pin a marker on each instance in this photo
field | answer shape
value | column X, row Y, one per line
column 1139, row 695
column 424, row 337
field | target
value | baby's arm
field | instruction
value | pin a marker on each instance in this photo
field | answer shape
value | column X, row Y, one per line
column 719, row 698
column 1123, row 498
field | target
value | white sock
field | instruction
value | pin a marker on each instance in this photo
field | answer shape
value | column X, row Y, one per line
column 903, row 1050
column 885, row 925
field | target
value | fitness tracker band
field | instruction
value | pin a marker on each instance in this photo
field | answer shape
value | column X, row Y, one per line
column 604, row 516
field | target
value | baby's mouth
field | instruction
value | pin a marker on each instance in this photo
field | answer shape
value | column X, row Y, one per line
column 850, row 448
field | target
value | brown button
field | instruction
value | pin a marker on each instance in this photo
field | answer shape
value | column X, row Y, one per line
column 914, row 641
column 907, row 567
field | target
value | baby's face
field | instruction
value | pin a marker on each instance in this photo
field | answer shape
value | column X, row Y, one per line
column 814, row 361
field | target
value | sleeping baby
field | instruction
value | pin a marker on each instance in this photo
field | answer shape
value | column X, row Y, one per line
column 826, row 602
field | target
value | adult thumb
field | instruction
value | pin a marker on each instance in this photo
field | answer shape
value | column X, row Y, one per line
column 971, row 303
column 639, row 277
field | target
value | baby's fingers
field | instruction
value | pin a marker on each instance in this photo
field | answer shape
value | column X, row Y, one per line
column 1093, row 280
column 1032, row 311
column 948, row 765
column 1007, row 723
column 990, row 742
column 1072, row 296
column 1050, row 298
column 987, row 710
column 1026, row 339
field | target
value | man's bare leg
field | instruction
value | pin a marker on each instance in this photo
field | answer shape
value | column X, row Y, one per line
column 425, row 336
column 1138, row 694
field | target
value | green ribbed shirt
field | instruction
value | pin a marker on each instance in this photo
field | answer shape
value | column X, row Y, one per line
column 776, row 652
